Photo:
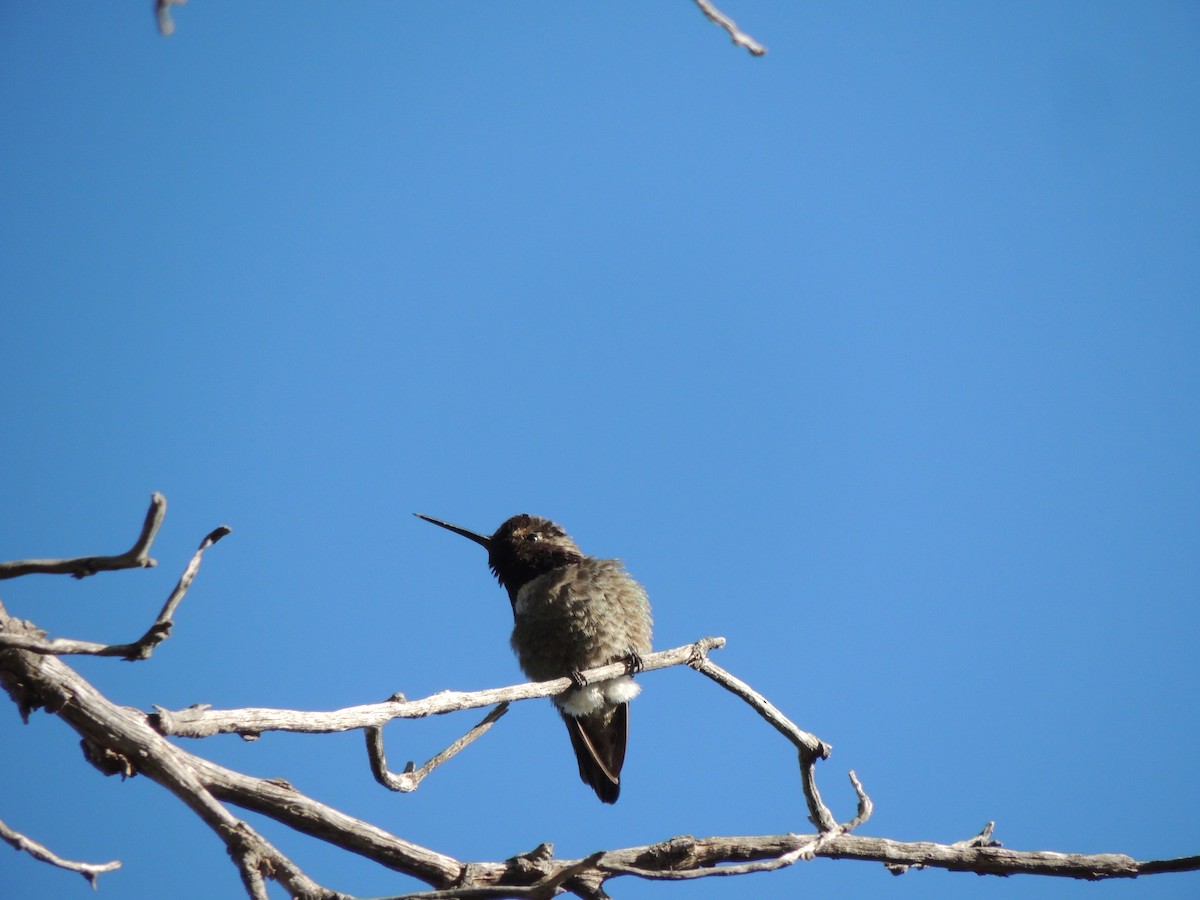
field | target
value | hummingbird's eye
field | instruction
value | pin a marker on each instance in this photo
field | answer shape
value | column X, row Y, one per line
column 533, row 536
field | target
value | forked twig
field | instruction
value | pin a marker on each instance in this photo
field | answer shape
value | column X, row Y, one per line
column 144, row 646
column 810, row 747
column 90, row 871
column 136, row 557
column 408, row 780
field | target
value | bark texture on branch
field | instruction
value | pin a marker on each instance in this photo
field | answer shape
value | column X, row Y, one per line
column 37, row 681
column 736, row 35
column 136, row 557
column 203, row 721
column 129, row 742
column 90, row 871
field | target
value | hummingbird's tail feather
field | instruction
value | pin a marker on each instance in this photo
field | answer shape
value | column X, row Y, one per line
column 599, row 741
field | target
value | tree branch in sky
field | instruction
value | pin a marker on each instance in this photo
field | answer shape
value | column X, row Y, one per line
column 128, row 742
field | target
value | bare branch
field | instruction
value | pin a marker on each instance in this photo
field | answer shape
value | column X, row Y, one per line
column 1178, row 864
column 686, row 857
column 810, row 747
column 983, row 839
column 411, row 777
column 737, row 35
column 806, row 848
column 131, row 747
column 126, row 742
column 818, row 813
column 143, row 647
column 35, row 642
column 988, row 860
column 865, row 806
column 90, row 871
column 279, row 801
column 707, row 854
column 166, row 24
column 201, row 721
column 162, row 12
column 781, row 723
column 803, row 850
column 252, row 879
column 36, row 681
column 161, row 629
column 136, row 557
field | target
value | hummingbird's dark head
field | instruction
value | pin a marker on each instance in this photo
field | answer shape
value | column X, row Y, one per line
column 525, row 547
column 521, row 549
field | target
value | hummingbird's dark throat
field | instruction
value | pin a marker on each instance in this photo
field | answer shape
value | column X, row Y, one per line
column 516, row 566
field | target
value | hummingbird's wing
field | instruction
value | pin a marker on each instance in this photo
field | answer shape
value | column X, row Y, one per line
column 599, row 741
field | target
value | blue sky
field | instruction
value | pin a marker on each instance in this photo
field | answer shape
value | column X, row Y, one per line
column 879, row 356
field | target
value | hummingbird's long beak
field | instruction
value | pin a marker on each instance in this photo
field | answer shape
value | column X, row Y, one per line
column 480, row 539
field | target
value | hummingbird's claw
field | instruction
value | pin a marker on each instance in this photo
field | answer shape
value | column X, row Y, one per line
column 577, row 678
column 634, row 662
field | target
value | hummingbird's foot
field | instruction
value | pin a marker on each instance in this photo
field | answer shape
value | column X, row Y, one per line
column 634, row 662
column 577, row 678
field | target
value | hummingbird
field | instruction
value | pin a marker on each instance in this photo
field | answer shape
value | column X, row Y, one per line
column 572, row 612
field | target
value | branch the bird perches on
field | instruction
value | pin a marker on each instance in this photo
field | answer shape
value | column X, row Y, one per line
column 126, row 741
